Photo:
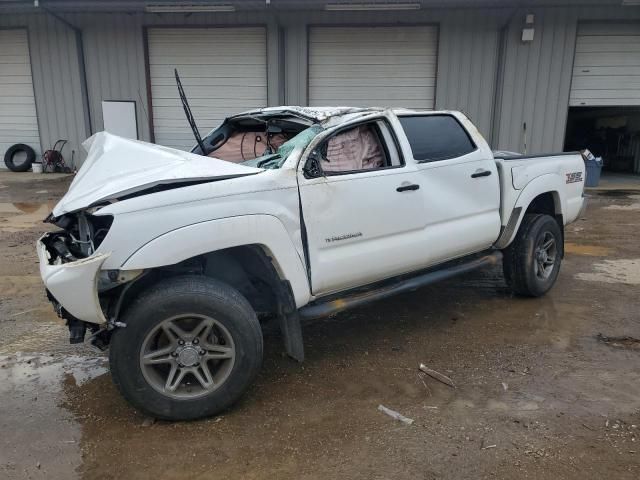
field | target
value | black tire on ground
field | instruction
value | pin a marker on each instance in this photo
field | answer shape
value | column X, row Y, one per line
column 527, row 270
column 185, row 298
column 19, row 150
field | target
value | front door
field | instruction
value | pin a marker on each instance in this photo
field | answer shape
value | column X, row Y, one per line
column 364, row 214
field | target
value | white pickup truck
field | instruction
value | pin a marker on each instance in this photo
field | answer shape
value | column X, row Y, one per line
column 176, row 259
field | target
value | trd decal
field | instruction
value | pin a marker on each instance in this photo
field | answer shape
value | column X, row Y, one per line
column 574, row 177
column 346, row 236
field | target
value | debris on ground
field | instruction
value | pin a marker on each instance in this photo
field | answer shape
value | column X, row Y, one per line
column 437, row 375
column 421, row 376
column 147, row 422
column 396, row 415
column 619, row 342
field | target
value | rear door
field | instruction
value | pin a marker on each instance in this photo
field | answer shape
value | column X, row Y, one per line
column 364, row 213
column 459, row 185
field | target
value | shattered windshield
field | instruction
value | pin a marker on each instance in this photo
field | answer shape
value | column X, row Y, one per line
column 276, row 160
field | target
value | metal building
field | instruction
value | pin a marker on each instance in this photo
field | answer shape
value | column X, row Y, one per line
column 534, row 75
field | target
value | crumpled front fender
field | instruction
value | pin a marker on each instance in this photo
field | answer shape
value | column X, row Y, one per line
column 74, row 284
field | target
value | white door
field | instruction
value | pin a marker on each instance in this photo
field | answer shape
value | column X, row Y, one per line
column 373, row 66
column 18, row 119
column 362, row 225
column 459, row 184
column 223, row 71
column 606, row 69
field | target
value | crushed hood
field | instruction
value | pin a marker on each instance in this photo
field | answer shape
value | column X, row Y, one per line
column 116, row 167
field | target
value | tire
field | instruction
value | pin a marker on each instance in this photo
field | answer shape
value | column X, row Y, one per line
column 176, row 305
column 11, row 154
column 527, row 271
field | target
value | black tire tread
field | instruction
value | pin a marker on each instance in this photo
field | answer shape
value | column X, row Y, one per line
column 214, row 291
column 11, row 151
column 516, row 257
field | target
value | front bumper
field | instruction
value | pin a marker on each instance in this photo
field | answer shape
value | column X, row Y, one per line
column 74, row 284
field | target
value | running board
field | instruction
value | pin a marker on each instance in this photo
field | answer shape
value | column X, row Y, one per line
column 324, row 309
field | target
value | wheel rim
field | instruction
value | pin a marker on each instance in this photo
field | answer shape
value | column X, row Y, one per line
column 545, row 256
column 187, row 356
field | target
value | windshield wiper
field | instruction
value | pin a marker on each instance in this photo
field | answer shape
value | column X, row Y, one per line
column 189, row 115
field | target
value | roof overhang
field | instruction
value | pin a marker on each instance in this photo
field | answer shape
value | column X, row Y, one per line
column 194, row 6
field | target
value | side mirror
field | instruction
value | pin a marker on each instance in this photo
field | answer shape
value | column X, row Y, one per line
column 312, row 167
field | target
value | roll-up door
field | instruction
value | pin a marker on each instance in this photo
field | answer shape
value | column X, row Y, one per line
column 606, row 69
column 223, row 71
column 373, row 66
column 18, row 119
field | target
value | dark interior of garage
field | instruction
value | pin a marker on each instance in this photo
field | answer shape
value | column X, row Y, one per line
column 612, row 133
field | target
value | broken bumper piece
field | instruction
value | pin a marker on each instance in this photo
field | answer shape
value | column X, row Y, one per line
column 73, row 285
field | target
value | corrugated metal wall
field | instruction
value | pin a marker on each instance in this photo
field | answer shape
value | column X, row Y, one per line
column 56, row 80
column 533, row 87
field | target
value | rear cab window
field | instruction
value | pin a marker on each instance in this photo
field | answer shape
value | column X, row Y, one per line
column 436, row 137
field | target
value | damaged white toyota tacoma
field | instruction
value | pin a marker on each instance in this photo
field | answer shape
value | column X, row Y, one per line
column 175, row 260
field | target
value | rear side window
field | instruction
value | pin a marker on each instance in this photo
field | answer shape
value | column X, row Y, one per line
column 436, row 137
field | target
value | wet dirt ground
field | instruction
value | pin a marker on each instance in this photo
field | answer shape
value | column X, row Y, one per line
column 545, row 387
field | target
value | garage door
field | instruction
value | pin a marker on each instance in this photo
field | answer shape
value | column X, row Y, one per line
column 606, row 70
column 373, row 66
column 18, row 120
column 223, row 71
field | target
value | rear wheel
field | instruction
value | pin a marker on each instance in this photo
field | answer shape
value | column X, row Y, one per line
column 190, row 348
column 532, row 262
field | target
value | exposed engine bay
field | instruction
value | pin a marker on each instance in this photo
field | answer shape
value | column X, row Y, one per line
column 81, row 234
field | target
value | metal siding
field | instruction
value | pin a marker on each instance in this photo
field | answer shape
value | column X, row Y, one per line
column 467, row 67
column 18, row 119
column 296, row 65
column 535, row 88
column 606, row 70
column 114, row 59
column 373, row 66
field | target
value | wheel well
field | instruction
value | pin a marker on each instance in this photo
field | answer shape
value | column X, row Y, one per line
column 547, row 203
column 248, row 268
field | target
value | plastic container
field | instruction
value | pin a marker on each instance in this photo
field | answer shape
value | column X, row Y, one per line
column 594, row 168
column 36, row 167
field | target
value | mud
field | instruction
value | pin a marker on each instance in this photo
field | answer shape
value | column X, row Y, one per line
column 537, row 395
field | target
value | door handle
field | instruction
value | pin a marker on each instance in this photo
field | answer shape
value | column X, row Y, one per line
column 481, row 173
column 404, row 188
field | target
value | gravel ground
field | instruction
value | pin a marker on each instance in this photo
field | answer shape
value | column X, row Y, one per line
column 545, row 387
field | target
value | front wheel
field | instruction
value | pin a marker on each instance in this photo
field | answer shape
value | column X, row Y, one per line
column 532, row 262
column 191, row 346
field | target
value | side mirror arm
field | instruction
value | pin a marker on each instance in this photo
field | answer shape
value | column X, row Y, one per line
column 312, row 167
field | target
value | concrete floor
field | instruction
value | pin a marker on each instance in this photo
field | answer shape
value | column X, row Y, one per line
column 538, row 394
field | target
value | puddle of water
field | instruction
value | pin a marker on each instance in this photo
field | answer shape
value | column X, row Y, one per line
column 632, row 206
column 614, row 193
column 614, row 271
column 41, row 438
column 589, row 250
column 19, row 216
